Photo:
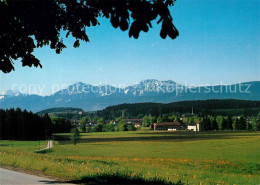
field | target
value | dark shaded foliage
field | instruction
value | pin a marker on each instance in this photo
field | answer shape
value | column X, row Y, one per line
column 24, row 125
column 17, row 124
column 26, row 25
column 207, row 124
column 214, row 124
column 229, row 123
column 60, row 125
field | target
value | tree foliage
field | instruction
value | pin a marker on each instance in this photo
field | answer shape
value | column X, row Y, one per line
column 148, row 121
column 255, row 124
column 60, row 125
column 122, row 126
column 235, row 124
column 18, row 124
column 75, row 135
column 26, row 25
column 83, row 121
column 220, row 121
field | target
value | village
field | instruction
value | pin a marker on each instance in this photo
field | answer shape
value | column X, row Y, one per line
column 171, row 122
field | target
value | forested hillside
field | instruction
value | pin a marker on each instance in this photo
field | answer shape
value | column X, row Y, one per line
column 212, row 107
column 60, row 110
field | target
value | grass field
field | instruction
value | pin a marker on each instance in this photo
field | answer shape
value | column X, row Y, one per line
column 145, row 157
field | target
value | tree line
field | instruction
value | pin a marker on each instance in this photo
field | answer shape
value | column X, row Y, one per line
column 106, row 126
column 24, row 125
column 212, row 107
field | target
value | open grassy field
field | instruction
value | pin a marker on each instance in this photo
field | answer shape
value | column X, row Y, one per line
column 145, row 157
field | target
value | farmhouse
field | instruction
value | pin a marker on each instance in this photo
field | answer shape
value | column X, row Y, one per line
column 167, row 126
column 195, row 126
column 135, row 121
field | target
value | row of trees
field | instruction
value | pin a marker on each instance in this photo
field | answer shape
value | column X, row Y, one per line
column 149, row 120
column 225, row 122
column 102, row 126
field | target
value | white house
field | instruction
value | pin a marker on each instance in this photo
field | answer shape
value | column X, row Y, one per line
column 195, row 126
column 192, row 127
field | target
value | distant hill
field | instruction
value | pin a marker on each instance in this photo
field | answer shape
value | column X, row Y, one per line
column 58, row 110
column 212, row 107
column 91, row 98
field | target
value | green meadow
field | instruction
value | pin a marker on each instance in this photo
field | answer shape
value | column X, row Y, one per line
column 141, row 157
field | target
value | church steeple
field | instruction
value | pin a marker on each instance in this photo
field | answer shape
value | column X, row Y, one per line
column 192, row 111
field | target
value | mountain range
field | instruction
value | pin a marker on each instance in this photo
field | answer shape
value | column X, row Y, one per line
column 90, row 97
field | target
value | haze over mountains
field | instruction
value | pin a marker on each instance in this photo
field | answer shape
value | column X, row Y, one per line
column 90, row 97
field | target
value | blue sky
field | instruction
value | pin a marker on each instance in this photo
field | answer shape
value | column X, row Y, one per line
column 219, row 42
